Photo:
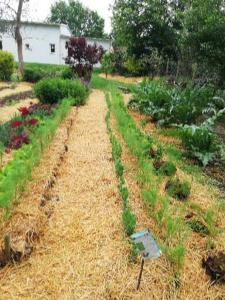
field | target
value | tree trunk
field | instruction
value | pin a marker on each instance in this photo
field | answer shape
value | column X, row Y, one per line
column 18, row 37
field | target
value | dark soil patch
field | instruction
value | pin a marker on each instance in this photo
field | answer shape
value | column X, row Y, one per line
column 16, row 97
column 215, row 267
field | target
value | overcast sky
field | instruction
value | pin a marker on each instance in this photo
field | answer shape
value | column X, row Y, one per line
column 40, row 9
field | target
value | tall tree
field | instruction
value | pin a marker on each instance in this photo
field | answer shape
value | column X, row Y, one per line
column 13, row 25
column 204, row 28
column 81, row 20
column 143, row 25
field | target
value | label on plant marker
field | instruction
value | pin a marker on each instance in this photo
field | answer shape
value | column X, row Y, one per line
column 146, row 244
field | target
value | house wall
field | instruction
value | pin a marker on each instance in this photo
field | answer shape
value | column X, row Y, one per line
column 39, row 38
column 106, row 44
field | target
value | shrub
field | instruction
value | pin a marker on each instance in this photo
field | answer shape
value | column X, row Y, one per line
column 33, row 74
column 178, row 189
column 55, row 89
column 6, row 65
column 68, row 74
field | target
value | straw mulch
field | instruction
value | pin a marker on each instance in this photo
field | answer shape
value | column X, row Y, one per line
column 81, row 253
column 122, row 78
column 8, row 112
column 20, row 87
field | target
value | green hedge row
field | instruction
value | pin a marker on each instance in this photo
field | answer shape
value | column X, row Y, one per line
column 55, row 89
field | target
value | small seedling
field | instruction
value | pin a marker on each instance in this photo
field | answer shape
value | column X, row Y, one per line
column 178, row 189
column 156, row 152
column 129, row 221
column 198, row 227
column 165, row 168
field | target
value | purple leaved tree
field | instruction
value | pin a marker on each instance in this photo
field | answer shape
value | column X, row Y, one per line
column 82, row 57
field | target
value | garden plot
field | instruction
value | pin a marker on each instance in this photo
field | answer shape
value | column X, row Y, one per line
column 19, row 88
column 202, row 212
column 8, row 112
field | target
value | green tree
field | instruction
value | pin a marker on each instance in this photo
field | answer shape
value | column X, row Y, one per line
column 81, row 20
column 203, row 35
column 144, row 25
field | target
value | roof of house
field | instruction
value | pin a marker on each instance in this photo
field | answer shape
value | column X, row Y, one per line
column 64, row 33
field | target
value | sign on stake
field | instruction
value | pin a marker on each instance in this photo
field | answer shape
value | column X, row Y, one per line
column 147, row 247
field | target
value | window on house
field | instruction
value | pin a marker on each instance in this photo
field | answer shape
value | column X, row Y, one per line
column 0, row 45
column 27, row 46
column 52, row 48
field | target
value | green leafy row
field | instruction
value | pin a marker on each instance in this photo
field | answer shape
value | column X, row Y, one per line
column 15, row 175
column 129, row 218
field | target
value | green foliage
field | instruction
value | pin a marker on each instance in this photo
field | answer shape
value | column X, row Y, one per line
column 166, row 168
column 178, row 189
column 106, row 63
column 68, row 73
column 81, row 20
column 17, row 172
column 150, row 198
column 54, row 90
column 176, row 255
column 129, row 221
column 119, row 167
column 6, row 65
column 171, row 105
column 200, row 142
column 198, row 227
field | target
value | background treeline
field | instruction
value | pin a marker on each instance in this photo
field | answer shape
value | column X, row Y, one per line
column 179, row 38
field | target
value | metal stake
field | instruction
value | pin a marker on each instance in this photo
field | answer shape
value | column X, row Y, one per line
column 140, row 274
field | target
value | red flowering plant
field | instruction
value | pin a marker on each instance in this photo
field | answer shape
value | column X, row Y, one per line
column 18, row 140
column 24, row 111
column 82, row 57
column 16, row 123
column 32, row 122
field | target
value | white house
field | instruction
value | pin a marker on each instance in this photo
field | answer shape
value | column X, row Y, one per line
column 43, row 42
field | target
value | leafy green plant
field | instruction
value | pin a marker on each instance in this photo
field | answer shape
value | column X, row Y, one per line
column 119, row 167
column 165, row 168
column 15, row 175
column 170, row 104
column 6, row 65
column 178, row 189
column 54, row 90
column 198, row 227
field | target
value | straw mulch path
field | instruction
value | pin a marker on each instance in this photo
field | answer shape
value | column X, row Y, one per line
column 82, row 253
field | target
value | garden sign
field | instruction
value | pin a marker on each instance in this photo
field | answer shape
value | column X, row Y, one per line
column 147, row 247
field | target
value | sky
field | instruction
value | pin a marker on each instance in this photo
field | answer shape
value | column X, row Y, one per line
column 40, row 9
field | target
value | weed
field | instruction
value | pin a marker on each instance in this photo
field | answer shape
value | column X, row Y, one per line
column 165, row 168
column 178, row 189
column 198, row 227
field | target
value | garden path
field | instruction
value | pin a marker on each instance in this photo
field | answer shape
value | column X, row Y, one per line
column 82, row 254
